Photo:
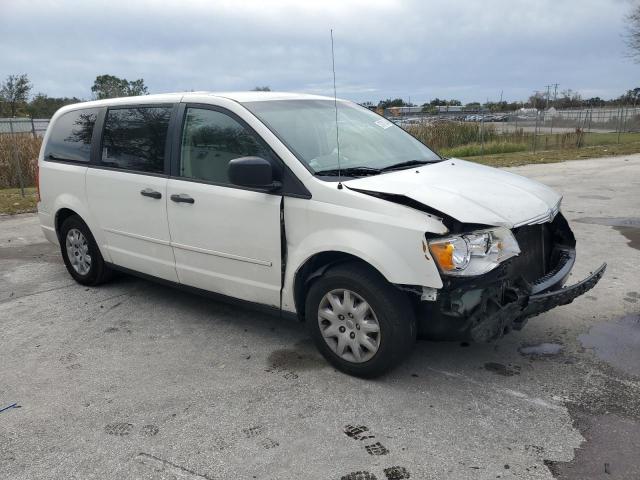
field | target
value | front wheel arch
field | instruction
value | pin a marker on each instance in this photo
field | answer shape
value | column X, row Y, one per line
column 313, row 268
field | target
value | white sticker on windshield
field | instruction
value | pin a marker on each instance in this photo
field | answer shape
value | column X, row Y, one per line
column 384, row 123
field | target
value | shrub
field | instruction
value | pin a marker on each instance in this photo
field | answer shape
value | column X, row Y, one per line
column 25, row 148
column 439, row 135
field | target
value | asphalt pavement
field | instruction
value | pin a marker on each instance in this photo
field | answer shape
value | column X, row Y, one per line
column 137, row 380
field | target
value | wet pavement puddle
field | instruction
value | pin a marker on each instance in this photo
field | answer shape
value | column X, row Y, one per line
column 617, row 343
column 627, row 226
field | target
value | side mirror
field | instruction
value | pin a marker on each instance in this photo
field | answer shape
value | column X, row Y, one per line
column 252, row 172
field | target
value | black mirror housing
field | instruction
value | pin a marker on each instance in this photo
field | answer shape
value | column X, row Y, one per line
column 254, row 172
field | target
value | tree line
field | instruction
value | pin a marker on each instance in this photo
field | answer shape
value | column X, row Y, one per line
column 16, row 99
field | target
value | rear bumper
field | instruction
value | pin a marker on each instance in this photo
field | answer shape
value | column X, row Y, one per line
column 47, row 226
column 487, row 307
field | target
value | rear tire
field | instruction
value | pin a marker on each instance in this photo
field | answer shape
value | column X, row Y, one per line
column 361, row 324
column 81, row 254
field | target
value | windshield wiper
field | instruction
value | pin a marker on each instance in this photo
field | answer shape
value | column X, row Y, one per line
column 349, row 172
column 410, row 163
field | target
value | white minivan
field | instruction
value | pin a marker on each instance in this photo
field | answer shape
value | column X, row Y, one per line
column 321, row 211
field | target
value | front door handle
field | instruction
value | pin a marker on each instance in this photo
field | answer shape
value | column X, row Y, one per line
column 148, row 192
column 182, row 198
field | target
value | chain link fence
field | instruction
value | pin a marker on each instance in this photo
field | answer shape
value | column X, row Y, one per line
column 479, row 133
column 35, row 126
column 456, row 134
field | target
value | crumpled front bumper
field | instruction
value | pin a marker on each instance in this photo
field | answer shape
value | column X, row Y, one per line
column 487, row 308
column 514, row 315
column 542, row 302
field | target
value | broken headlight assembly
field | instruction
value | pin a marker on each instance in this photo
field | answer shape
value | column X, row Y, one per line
column 473, row 253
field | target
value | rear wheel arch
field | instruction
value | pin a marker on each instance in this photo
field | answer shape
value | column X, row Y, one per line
column 313, row 268
column 61, row 216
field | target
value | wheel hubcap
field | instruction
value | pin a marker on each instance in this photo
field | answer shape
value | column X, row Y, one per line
column 78, row 251
column 349, row 325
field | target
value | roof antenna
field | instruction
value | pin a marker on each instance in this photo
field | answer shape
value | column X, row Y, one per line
column 335, row 104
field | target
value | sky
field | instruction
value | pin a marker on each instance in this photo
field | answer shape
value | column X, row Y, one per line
column 471, row 50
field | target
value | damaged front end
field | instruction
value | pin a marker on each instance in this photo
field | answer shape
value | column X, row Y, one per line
column 487, row 306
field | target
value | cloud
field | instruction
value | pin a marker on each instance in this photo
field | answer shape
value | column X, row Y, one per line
column 465, row 49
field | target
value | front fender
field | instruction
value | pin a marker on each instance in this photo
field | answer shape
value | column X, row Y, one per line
column 391, row 240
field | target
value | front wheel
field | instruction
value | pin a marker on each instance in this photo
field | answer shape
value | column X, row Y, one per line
column 361, row 324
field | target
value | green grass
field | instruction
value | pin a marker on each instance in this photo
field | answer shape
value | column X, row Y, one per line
column 569, row 140
column 559, row 155
column 549, row 149
column 12, row 202
column 475, row 149
column 610, row 138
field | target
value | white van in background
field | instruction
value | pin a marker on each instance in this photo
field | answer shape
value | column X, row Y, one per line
column 248, row 196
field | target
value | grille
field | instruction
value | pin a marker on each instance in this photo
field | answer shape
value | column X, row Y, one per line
column 535, row 243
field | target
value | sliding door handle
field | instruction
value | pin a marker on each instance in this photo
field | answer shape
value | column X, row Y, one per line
column 148, row 192
column 182, row 198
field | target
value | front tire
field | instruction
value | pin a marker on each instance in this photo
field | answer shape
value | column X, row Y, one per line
column 361, row 324
column 81, row 254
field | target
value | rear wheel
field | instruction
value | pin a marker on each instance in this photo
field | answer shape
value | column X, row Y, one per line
column 81, row 254
column 362, row 325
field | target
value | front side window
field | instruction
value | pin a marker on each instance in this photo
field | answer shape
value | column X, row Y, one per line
column 135, row 138
column 70, row 137
column 210, row 139
column 367, row 141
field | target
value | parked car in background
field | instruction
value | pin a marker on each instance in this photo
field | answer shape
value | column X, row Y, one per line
column 248, row 197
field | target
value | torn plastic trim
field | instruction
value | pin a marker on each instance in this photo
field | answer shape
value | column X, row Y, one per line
column 419, row 293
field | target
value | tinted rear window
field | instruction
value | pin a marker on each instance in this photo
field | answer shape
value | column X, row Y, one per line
column 135, row 138
column 70, row 137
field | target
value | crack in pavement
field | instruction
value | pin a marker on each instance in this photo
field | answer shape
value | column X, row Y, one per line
column 513, row 393
column 11, row 299
column 161, row 464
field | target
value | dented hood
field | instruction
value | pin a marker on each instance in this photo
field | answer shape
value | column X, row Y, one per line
column 468, row 192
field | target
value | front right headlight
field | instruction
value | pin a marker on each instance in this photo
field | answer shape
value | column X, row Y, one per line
column 474, row 253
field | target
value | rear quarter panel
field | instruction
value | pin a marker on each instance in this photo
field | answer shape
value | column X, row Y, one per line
column 62, row 185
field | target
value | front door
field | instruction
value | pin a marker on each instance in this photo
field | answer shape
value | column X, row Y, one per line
column 225, row 239
column 127, row 193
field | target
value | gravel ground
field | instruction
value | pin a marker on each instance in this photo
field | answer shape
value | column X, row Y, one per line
column 137, row 380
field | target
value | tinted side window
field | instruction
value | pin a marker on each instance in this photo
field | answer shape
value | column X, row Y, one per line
column 210, row 139
column 70, row 137
column 135, row 138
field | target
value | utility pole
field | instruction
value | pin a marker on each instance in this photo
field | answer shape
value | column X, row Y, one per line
column 548, row 87
column 555, row 92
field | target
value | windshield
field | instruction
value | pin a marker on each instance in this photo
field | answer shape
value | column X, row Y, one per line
column 367, row 140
